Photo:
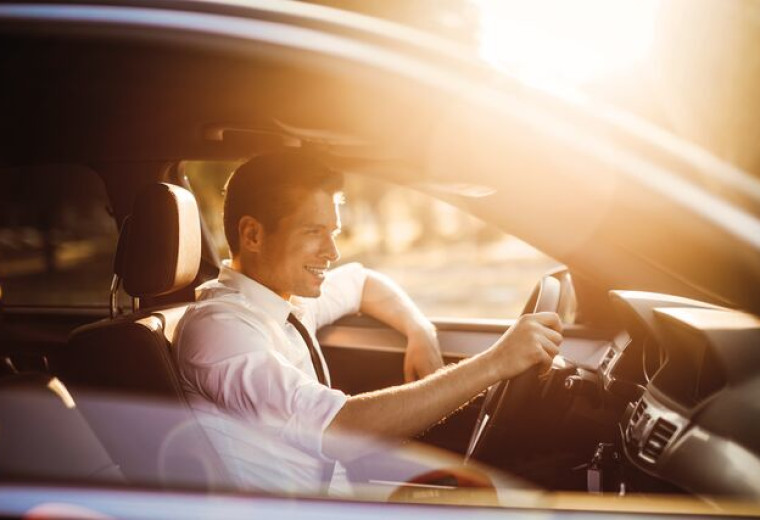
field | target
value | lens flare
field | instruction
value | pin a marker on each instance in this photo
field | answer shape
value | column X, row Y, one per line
column 561, row 45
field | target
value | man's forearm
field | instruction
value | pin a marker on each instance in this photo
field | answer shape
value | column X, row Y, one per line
column 406, row 410
column 383, row 299
column 386, row 301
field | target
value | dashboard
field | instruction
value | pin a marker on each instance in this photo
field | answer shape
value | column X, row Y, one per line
column 690, row 372
column 679, row 387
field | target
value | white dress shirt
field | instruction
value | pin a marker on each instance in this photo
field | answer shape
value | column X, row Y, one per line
column 249, row 376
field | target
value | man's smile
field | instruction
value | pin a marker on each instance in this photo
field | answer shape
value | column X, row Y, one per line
column 319, row 272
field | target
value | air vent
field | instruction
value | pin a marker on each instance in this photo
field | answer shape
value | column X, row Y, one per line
column 634, row 421
column 658, row 439
column 637, row 413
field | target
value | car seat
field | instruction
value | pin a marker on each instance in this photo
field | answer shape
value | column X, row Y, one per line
column 128, row 358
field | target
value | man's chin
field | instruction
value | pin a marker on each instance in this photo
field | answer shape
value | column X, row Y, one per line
column 311, row 292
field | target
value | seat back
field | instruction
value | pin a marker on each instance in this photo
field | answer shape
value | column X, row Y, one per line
column 129, row 357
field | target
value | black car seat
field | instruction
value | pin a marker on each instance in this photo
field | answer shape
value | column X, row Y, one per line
column 43, row 437
column 129, row 357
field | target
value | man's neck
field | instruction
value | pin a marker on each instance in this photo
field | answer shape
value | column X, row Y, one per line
column 247, row 270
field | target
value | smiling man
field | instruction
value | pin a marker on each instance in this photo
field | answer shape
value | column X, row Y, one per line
column 247, row 349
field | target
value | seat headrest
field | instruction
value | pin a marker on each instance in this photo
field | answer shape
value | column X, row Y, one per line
column 159, row 249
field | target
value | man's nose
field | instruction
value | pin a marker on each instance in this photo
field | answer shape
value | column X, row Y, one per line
column 330, row 250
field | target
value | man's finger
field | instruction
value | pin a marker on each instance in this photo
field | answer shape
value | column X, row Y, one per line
column 549, row 346
column 436, row 362
column 429, row 366
column 549, row 319
column 553, row 336
column 546, row 362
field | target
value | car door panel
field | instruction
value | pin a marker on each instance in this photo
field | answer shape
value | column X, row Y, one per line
column 364, row 354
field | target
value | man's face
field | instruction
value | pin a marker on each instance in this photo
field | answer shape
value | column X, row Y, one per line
column 295, row 256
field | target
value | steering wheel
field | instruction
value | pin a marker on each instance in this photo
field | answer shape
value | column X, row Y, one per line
column 510, row 400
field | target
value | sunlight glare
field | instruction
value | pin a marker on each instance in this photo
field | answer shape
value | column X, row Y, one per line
column 562, row 45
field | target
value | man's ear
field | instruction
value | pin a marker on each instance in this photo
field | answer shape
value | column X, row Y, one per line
column 251, row 234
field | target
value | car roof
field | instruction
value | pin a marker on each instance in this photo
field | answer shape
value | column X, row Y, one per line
column 191, row 91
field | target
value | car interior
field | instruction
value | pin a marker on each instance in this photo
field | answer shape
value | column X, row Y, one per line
column 652, row 393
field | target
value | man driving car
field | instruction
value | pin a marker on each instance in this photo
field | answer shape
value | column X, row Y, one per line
column 247, row 348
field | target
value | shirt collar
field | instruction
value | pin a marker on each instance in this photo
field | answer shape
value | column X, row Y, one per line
column 256, row 294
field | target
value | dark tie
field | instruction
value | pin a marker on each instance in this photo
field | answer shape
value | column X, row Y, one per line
column 328, row 468
column 315, row 358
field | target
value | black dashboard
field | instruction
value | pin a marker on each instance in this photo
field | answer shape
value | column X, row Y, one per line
column 691, row 372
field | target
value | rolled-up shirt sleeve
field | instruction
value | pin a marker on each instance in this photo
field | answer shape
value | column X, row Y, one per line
column 246, row 377
column 341, row 295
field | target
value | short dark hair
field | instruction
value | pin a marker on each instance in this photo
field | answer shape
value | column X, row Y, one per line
column 269, row 187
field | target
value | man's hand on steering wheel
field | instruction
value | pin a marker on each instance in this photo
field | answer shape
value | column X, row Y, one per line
column 533, row 340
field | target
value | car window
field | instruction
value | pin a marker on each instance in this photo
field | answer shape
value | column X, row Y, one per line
column 452, row 264
column 57, row 238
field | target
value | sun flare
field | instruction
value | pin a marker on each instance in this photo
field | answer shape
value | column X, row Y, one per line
column 562, row 45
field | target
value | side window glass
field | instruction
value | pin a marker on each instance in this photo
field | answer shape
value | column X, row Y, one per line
column 57, row 238
column 451, row 264
column 207, row 180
